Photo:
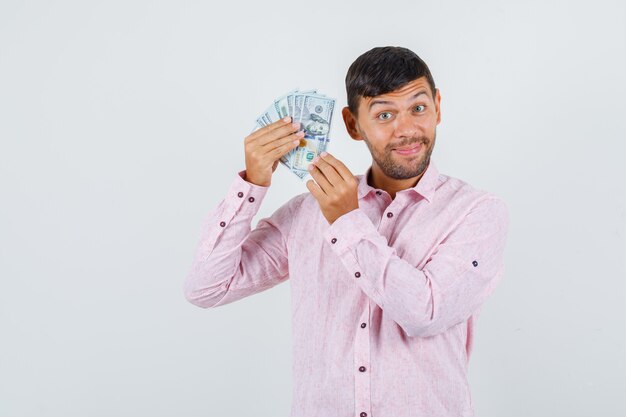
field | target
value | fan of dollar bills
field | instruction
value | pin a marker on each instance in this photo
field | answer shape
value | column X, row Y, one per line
column 314, row 112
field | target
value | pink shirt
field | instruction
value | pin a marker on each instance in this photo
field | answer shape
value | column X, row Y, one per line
column 383, row 300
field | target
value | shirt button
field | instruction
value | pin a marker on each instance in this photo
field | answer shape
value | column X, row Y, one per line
column 334, row 240
column 390, row 214
column 363, row 414
column 378, row 193
column 251, row 199
column 240, row 194
column 362, row 368
column 475, row 263
column 223, row 224
column 363, row 325
column 357, row 274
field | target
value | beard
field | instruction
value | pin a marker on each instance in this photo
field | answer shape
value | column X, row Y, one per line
column 392, row 169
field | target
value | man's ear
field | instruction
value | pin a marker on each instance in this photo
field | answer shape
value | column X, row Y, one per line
column 350, row 122
column 438, row 105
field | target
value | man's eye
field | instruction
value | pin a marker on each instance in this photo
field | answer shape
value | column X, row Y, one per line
column 421, row 105
column 384, row 116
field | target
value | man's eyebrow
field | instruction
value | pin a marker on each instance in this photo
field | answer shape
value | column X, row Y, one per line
column 374, row 102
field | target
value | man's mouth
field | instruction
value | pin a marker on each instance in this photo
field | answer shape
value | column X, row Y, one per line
column 409, row 150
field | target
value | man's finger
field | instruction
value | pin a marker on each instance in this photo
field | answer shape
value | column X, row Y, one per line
column 320, row 179
column 329, row 171
column 272, row 126
column 341, row 168
column 278, row 133
column 315, row 190
column 294, row 137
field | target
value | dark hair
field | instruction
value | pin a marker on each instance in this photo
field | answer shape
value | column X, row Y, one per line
column 382, row 70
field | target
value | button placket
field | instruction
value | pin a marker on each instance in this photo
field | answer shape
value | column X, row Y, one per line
column 387, row 212
column 362, row 365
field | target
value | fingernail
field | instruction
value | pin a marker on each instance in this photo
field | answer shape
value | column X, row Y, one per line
column 286, row 119
column 295, row 125
column 317, row 158
column 324, row 153
column 310, row 167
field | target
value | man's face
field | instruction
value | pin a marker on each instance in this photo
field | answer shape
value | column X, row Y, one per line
column 399, row 128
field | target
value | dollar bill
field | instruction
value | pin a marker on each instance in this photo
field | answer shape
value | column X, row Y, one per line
column 314, row 112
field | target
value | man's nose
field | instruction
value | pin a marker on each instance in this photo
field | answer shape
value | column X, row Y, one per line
column 406, row 126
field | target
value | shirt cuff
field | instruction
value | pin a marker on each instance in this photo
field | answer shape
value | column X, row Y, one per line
column 246, row 197
column 348, row 230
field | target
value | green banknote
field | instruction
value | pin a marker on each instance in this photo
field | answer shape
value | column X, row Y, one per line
column 314, row 112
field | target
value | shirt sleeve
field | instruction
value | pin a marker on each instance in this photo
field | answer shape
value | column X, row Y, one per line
column 231, row 260
column 452, row 285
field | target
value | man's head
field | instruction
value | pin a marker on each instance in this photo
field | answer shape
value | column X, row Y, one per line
column 393, row 106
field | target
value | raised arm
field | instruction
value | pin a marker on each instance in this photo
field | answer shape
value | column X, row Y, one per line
column 231, row 260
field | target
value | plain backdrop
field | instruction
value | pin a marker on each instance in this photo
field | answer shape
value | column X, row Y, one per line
column 122, row 125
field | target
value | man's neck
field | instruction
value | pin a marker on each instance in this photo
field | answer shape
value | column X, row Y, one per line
column 378, row 179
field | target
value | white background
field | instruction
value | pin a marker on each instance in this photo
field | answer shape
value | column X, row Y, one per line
column 122, row 125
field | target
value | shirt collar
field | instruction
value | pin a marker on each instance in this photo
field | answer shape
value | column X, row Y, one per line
column 425, row 187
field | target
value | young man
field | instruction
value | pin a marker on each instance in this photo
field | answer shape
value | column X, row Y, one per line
column 388, row 269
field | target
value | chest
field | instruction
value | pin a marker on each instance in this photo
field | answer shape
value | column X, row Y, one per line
column 413, row 228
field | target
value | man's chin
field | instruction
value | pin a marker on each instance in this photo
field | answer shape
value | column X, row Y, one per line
column 408, row 162
column 403, row 174
column 406, row 167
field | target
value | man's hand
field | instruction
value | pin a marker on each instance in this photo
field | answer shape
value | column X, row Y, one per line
column 334, row 188
column 264, row 148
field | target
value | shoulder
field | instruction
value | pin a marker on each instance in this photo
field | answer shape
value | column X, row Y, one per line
column 462, row 196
